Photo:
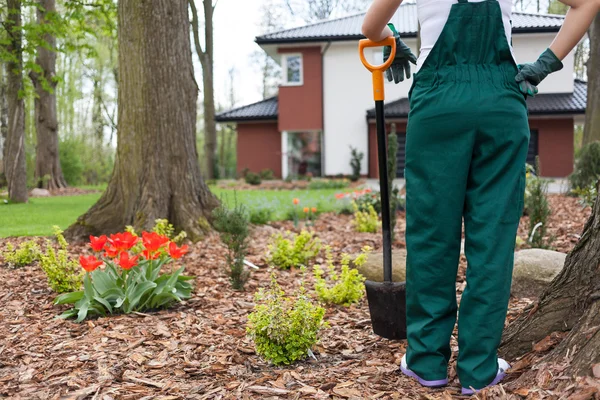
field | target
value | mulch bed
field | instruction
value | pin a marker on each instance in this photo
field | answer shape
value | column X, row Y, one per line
column 199, row 350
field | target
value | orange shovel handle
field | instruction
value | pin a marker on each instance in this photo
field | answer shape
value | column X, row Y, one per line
column 377, row 70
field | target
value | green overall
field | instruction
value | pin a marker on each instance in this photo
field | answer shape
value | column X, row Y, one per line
column 466, row 147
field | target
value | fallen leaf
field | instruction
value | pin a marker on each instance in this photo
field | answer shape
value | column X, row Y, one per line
column 596, row 370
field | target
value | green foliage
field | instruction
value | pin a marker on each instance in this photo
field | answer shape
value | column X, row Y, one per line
column 232, row 225
column 366, row 221
column 344, row 288
column 267, row 175
column 71, row 162
column 116, row 291
column 587, row 167
column 284, row 329
column 538, row 210
column 252, row 179
column 84, row 162
column 298, row 250
column 165, row 228
column 368, row 198
column 328, row 184
column 260, row 216
column 587, row 196
column 25, row 254
column 355, row 163
column 62, row 272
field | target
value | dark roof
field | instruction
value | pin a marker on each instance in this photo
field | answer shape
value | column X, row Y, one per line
column 348, row 28
column 263, row 110
column 548, row 103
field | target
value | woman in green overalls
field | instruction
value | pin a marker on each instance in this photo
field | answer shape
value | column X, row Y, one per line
column 466, row 146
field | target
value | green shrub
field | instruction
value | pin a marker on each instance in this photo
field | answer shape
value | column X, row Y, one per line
column 297, row 251
column 366, row 221
column 252, row 179
column 328, row 184
column 538, row 210
column 63, row 273
column 587, row 167
column 343, row 288
column 267, row 175
column 25, row 254
column 232, row 225
column 260, row 216
column 289, row 179
column 130, row 282
column 587, row 196
column 284, row 329
column 355, row 163
column 165, row 228
column 346, row 209
column 71, row 161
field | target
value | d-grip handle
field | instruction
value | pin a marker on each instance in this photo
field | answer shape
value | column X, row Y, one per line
column 377, row 70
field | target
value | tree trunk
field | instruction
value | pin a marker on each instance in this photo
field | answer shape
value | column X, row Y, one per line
column 591, row 131
column 14, row 162
column 570, row 304
column 3, row 121
column 156, row 173
column 47, row 162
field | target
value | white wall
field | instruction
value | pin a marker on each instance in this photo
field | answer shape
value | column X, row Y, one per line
column 348, row 94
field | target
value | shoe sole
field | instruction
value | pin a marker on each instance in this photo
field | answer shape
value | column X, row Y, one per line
column 423, row 382
column 496, row 381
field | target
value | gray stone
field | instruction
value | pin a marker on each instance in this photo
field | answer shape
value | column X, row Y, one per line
column 373, row 267
column 39, row 193
column 534, row 270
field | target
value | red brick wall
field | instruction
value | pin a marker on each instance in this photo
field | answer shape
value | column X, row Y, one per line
column 373, row 161
column 555, row 145
column 301, row 107
column 259, row 147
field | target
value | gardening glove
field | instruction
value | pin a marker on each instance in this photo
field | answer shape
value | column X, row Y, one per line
column 531, row 74
column 400, row 66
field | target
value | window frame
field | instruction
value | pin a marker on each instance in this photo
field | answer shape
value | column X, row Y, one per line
column 284, row 67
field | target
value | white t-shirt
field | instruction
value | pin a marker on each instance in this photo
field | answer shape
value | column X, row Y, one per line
column 433, row 15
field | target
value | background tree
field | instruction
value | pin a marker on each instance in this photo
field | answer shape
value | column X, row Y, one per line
column 14, row 160
column 206, row 56
column 591, row 131
column 156, row 173
column 316, row 10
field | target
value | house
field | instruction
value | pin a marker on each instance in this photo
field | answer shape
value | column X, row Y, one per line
column 325, row 103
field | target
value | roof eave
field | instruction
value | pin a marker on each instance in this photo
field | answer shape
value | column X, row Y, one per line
column 341, row 38
column 246, row 119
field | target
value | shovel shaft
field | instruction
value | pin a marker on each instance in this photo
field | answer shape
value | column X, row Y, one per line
column 384, row 191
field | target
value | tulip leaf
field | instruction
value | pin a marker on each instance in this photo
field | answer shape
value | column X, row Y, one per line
column 68, row 298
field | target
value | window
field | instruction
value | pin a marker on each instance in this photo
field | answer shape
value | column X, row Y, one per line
column 292, row 69
column 302, row 154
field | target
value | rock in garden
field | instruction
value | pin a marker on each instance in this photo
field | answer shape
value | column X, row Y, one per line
column 373, row 267
column 534, row 270
column 37, row 192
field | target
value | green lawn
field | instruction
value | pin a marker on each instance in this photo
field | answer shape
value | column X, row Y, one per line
column 37, row 217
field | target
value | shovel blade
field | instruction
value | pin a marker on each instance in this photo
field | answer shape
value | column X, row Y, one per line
column 387, row 305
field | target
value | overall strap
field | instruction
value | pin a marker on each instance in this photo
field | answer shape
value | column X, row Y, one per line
column 463, row 1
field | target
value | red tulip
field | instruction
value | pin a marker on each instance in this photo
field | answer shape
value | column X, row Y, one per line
column 111, row 251
column 340, row 195
column 313, row 210
column 177, row 252
column 296, row 201
column 123, row 241
column 89, row 263
column 97, row 243
column 305, row 210
column 127, row 262
column 150, row 255
column 153, row 241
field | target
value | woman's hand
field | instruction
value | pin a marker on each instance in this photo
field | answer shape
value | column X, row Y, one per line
column 404, row 56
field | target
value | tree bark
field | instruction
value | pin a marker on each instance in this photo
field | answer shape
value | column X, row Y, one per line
column 3, row 120
column 156, row 173
column 48, row 172
column 206, row 57
column 591, row 131
column 570, row 304
column 14, row 162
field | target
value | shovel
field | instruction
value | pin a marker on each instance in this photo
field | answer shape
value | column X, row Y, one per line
column 387, row 299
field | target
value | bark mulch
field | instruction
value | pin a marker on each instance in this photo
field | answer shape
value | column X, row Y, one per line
column 199, row 350
column 240, row 184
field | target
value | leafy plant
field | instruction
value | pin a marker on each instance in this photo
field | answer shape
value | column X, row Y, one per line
column 284, row 329
column 252, row 179
column 366, row 221
column 343, row 288
column 355, row 163
column 62, row 272
column 165, row 228
column 232, row 225
column 310, row 215
column 260, row 216
column 25, row 254
column 267, row 175
column 587, row 196
column 328, row 184
column 129, row 282
column 296, row 251
column 538, row 209
column 293, row 213
column 587, row 167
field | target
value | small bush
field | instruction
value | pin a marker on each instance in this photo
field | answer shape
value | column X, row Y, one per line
column 284, row 329
column 252, row 179
column 366, row 221
column 587, row 167
column 297, row 251
column 25, row 254
column 587, row 196
column 538, row 210
column 165, row 228
column 267, row 175
column 63, row 273
column 328, row 184
column 260, row 216
column 344, row 288
column 232, row 225
column 355, row 163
